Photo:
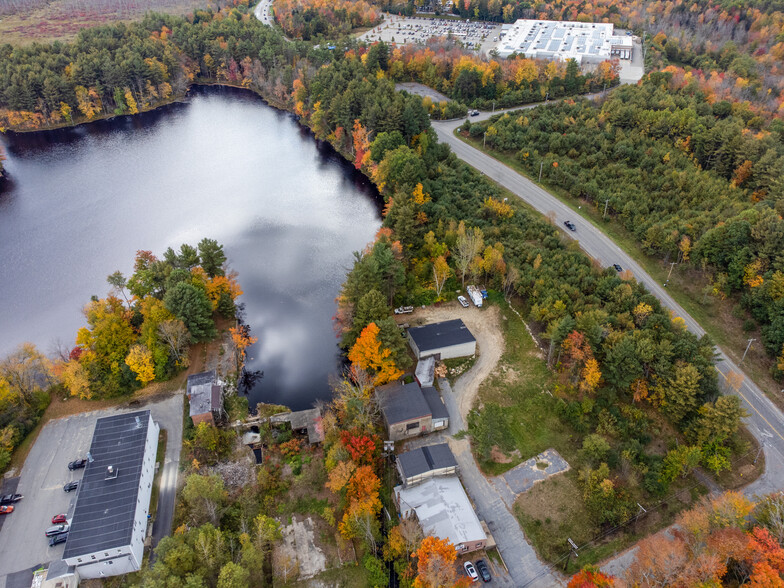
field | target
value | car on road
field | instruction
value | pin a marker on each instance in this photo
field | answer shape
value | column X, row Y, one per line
column 570, row 225
column 10, row 498
column 463, row 302
column 56, row 539
column 6, row 509
column 71, row 486
column 481, row 567
column 617, row 267
column 474, row 113
column 471, row 571
column 56, row 519
column 57, row 530
column 77, row 464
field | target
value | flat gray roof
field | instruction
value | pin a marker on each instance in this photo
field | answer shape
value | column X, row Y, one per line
column 438, row 335
column 203, row 394
column 425, row 459
column 105, row 509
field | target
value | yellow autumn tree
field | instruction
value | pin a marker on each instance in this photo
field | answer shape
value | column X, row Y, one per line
column 139, row 359
column 368, row 354
column 74, row 377
column 591, row 375
column 131, row 102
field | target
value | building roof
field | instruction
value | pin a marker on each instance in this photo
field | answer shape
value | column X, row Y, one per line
column 425, row 459
column 425, row 370
column 204, row 395
column 402, row 402
column 309, row 419
column 433, row 399
column 560, row 39
column 443, row 509
column 438, row 335
column 105, row 508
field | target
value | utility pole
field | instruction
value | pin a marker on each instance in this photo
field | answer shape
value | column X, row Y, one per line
column 606, row 202
column 572, row 552
column 747, row 350
column 494, row 106
column 672, row 265
column 541, row 165
column 762, row 446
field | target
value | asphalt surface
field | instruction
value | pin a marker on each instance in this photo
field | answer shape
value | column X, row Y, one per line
column 765, row 422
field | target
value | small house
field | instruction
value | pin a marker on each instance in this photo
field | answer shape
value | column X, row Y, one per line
column 205, row 396
column 443, row 340
column 443, row 510
column 423, row 463
column 409, row 410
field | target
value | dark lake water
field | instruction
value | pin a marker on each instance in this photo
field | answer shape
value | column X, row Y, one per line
column 288, row 210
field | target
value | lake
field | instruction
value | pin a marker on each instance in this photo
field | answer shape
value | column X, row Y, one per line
column 289, row 210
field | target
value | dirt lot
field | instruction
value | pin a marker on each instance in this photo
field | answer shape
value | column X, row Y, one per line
column 484, row 324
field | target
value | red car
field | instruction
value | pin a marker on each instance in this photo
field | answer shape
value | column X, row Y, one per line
column 56, row 519
column 6, row 509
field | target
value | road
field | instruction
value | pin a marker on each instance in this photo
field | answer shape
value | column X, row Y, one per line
column 263, row 12
column 765, row 422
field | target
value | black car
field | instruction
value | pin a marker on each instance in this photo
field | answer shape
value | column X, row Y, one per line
column 77, row 464
column 474, row 113
column 570, row 225
column 71, row 486
column 10, row 499
column 57, row 530
column 57, row 539
column 617, row 267
column 484, row 573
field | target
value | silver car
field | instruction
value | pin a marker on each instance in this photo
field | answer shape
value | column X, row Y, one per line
column 463, row 302
column 57, row 530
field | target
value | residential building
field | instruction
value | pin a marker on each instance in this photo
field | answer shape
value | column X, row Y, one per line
column 585, row 42
column 205, row 396
column 444, row 340
column 443, row 510
column 109, row 523
column 423, row 463
column 408, row 411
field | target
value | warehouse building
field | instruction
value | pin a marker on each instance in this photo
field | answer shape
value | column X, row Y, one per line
column 443, row 340
column 410, row 411
column 423, row 463
column 109, row 522
column 585, row 42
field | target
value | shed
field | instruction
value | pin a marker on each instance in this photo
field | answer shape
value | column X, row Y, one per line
column 423, row 463
column 304, row 421
column 205, row 397
column 443, row 340
column 425, row 371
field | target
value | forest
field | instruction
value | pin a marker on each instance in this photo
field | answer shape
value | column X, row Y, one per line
column 325, row 19
column 695, row 180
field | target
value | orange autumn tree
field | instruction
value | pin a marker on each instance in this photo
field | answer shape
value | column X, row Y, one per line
column 368, row 354
column 591, row 577
column 436, row 564
column 241, row 340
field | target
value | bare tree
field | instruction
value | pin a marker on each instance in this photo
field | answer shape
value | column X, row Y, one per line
column 285, row 565
column 175, row 334
column 469, row 244
column 118, row 284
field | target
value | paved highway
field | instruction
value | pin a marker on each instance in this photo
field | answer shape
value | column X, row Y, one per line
column 765, row 422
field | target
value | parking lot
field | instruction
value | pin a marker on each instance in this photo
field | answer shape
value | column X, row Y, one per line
column 22, row 542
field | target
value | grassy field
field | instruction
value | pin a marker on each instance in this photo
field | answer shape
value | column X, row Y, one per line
column 723, row 320
column 61, row 20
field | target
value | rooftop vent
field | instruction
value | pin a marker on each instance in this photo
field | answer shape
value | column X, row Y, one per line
column 138, row 423
column 111, row 473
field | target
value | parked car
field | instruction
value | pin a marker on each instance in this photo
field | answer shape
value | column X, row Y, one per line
column 474, row 113
column 463, row 302
column 10, row 498
column 56, row 539
column 471, row 571
column 77, row 464
column 570, row 225
column 71, row 486
column 617, row 267
column 56, row 519
column 481, row 567
column 57, row 530
column 6, row 509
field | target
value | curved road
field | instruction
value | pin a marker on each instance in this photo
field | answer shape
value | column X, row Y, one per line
column 765, row 422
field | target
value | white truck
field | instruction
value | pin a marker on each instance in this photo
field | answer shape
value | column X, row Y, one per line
column 475, row 295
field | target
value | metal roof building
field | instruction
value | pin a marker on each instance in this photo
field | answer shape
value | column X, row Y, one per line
column 409, row 410
column 443, row 510
column 420, row 464
column 205, row 397
column 110, row 519
column 444, row 340
column 585, row 42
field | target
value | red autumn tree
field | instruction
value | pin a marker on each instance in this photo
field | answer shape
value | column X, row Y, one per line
column 361, row 448
column 591, row 577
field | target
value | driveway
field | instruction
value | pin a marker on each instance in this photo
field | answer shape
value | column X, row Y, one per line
column 22, row 542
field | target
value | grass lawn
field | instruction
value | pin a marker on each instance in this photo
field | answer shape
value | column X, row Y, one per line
column 723, row 320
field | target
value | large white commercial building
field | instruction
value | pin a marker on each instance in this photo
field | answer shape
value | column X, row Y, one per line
column 585, row 42
column 110, row 519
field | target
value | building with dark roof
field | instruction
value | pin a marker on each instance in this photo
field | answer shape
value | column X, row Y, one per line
column 109, row 522
column 443, row 340
column 420, row 464
column 205, row 396
column 408, row 411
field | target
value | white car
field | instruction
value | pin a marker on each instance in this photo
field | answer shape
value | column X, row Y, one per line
column 463, row 302
column 471, row 571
